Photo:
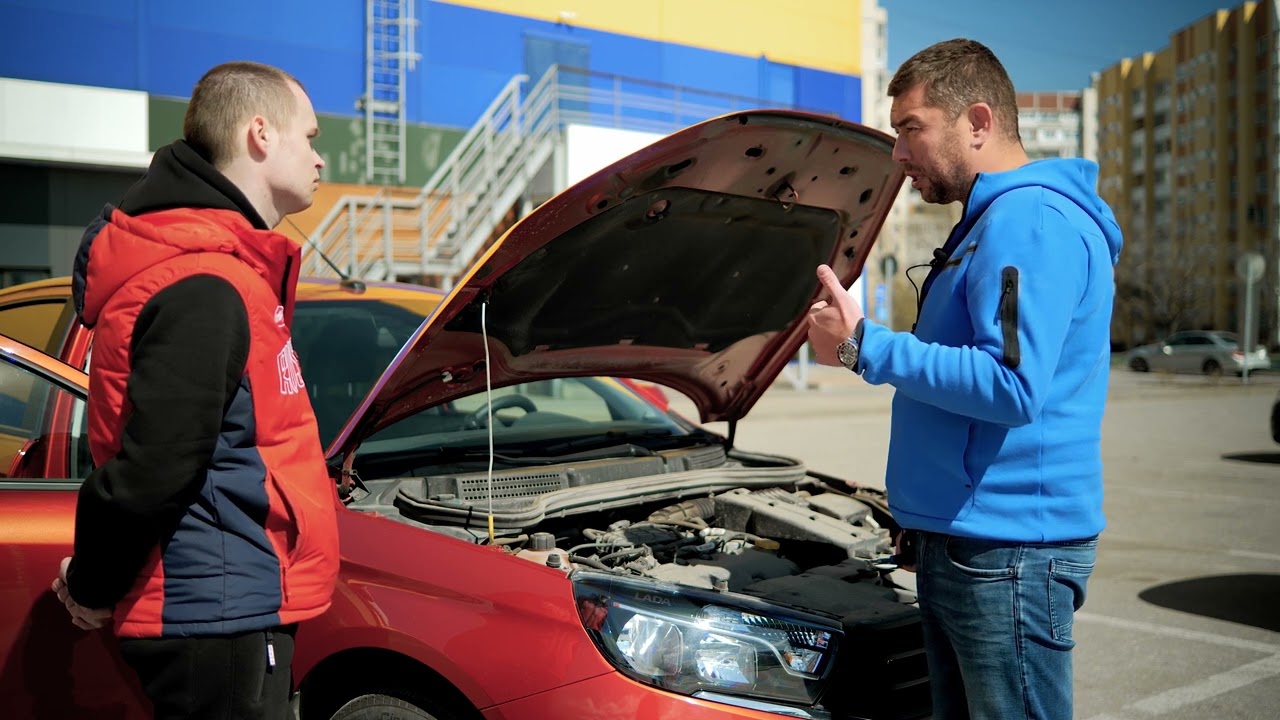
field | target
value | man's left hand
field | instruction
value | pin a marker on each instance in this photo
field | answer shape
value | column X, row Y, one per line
column 831, row 320
column 82, row 617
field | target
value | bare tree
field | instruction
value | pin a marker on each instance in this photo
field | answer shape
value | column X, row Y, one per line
column 1165, row 288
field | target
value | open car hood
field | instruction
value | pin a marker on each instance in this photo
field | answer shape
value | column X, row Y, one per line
column 690, row 263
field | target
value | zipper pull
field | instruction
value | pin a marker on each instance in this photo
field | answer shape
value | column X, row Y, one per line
column 271, row 652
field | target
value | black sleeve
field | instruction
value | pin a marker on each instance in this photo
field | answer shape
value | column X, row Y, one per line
column 189, row 350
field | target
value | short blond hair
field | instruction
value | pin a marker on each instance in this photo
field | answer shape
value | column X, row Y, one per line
column 226, row 97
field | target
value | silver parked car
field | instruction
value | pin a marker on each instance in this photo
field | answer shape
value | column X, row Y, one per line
column 1211, row 352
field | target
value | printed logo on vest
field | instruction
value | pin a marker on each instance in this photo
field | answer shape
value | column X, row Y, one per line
column 280, row 317
column 290, row 371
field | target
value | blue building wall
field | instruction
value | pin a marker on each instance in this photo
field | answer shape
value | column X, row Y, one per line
column 163, row 46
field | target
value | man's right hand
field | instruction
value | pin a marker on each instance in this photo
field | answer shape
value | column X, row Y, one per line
column 904, row 554
column 831, row 319
column 82, row 617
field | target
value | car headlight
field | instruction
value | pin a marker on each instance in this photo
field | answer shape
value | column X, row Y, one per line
column 695, row 641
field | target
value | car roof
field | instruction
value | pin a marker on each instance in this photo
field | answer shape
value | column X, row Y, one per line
column 308, row 289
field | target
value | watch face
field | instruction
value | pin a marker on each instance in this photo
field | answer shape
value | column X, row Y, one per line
column 846, row 354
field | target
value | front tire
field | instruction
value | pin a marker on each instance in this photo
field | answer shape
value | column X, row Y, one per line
column 1138, row 365
column 1212, row 368
column 376, row 706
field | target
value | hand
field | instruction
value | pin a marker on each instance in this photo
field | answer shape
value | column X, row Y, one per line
column 82, row 617
column 831, row 321
column 907, row 559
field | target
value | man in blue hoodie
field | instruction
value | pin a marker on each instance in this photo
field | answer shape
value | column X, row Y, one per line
column 994, row 464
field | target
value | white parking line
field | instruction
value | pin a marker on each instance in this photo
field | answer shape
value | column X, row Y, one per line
column 1255, row 555
column 1185, row 495
column 1175, row 698
column 1181, row 633
column 1212, row 686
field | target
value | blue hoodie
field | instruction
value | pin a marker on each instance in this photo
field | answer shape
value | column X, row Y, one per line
column 997, row 418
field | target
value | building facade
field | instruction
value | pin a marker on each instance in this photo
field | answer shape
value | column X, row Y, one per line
column 89, row 90
column 1052, row 124
column 1187, row 148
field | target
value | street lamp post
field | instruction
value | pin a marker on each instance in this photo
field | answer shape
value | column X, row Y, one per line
column 1249, row 268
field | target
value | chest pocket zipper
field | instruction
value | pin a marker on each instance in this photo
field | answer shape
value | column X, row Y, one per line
column 1009, row 316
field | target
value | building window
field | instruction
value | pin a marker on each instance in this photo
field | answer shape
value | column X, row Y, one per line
column 10, row 276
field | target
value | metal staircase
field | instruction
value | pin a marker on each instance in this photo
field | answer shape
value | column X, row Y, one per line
column 389, row 55
column 433, row 234
column 436, row 231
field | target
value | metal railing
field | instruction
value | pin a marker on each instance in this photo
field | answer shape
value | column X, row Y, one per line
column 439, row 230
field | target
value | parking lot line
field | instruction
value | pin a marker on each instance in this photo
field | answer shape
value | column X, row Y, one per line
column 1212, row 686
column 1181, row 633
column 1255, row 555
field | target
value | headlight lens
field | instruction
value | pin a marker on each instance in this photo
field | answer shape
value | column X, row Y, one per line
column 688, row 640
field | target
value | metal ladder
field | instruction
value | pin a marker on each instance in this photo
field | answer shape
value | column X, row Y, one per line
column 389, row 55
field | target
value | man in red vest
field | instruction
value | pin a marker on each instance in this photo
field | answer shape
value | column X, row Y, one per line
column 208, row 529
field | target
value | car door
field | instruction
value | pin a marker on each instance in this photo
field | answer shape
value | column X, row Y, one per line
column 1192, row 352
column 50, row 668
column 1175, row 351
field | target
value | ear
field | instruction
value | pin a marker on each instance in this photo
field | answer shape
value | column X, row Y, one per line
column 260, row 136
column 981, row 123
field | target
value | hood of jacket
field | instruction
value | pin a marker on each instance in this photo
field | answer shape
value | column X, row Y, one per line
column 1073, row 178
column 182, row 204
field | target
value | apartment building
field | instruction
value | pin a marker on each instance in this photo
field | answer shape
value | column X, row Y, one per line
column 1187, row 149
column 1057, row 124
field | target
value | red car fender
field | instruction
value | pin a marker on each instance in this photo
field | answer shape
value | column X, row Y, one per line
column 495, row 626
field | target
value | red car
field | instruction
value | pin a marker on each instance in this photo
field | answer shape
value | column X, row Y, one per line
column 524, row 536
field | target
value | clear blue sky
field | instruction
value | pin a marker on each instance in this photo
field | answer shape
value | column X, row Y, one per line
column 1044, row 44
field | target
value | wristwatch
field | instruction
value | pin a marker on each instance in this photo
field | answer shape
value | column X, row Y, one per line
column 847, row 351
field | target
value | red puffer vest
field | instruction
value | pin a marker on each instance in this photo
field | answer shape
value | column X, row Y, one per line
column 269, row 556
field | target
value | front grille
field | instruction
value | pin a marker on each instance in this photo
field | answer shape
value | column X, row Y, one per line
column 881, row 673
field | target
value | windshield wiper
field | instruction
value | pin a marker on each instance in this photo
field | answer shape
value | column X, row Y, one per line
column 469, row 455
column 650, row 439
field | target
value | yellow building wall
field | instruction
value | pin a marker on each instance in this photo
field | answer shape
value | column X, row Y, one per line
column 821, row 34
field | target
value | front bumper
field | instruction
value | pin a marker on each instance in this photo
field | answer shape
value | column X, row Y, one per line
column 613, row 695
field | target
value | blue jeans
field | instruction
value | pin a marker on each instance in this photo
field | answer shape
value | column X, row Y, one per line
column 997, row 624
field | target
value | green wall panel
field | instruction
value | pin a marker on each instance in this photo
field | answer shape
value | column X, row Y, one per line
column 341, row 142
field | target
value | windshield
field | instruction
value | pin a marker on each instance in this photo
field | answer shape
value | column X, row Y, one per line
column 343, row 348
column 534, row 423
column 1227, row 338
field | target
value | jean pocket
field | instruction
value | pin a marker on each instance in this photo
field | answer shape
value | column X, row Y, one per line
column 1066, row 595
column 982, row 559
